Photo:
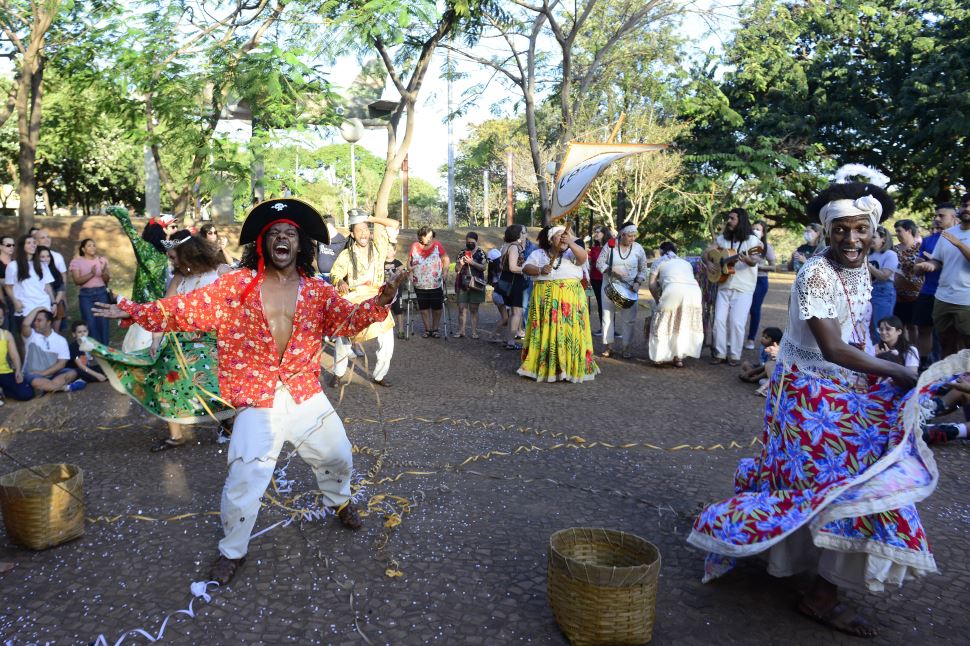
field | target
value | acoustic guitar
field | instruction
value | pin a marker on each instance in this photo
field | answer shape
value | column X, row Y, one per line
column 725, row 260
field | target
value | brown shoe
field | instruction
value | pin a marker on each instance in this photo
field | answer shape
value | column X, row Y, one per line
column 337, row 382
column 349, row 517
column 383, row 382
column 224, row 569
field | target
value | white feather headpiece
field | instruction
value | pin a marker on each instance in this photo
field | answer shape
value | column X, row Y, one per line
column 870, row 175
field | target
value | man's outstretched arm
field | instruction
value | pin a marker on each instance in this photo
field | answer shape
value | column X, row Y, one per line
column 198, row 311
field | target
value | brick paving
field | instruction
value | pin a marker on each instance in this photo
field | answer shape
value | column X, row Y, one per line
column 471, row 549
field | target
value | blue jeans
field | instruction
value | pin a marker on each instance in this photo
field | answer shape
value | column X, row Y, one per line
column 760, row 291
column 10, row 387
column 883, row 301
column 97, row 327
column 526, row 297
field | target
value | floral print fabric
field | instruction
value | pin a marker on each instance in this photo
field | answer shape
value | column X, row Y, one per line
column 161, row 385
column 837, row 460
column 558, row 344
column 151, row 264
column 249, row 363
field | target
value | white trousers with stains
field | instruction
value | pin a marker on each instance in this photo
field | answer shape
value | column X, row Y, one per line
column 318, row 435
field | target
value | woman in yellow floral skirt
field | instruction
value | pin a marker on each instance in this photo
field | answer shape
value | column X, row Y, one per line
column 558, row 345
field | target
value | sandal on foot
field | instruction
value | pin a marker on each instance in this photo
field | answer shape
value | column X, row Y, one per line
column 840, row 617
column 435, row 335
column 734, row 363
column 716, row 361
column 678, row 363
column 607, row 353
column 425, row 334
column 166, row 444
column 224, row 569
column 459, row 336
column 348, row 516
column 476, row 337
column 513, row 346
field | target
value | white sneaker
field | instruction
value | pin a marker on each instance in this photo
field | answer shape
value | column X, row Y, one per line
column 749, row 344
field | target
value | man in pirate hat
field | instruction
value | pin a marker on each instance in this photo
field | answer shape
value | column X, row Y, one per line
column 270, row 317
column 357, row 273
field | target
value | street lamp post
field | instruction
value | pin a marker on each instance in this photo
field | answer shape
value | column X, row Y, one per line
column 352, row 130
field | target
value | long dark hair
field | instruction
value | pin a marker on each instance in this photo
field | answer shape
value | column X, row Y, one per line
column 306, row 251
column 23, row 263
column 154, row 234
column 351, row 247
column 80, row 247
column 743, row 231
column 903, row 344
column 52, row 268
column 607, row 236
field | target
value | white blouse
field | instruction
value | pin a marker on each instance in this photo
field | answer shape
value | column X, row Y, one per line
column 567, row 268
column 629, row 268
column 826, row 291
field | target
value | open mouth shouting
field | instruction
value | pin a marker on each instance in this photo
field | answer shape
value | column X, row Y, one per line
column 282, row 250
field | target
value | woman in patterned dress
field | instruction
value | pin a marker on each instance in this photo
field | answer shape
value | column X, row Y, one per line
column 176, row 377
column 558, row 344
column 835, row 485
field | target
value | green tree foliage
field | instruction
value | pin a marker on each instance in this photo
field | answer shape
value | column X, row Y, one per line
column 810, row 85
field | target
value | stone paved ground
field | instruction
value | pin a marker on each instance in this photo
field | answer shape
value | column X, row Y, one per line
column 471, row 548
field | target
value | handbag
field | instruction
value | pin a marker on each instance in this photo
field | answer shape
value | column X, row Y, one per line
column 60, row 310
column 476, row 284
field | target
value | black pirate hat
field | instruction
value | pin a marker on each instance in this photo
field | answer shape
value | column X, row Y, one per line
column 288, row 209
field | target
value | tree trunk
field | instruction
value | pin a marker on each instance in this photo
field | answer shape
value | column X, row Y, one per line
column 383, row 196
column 29, row 101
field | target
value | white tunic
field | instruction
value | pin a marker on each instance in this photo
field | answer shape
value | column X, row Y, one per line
column 826, row 291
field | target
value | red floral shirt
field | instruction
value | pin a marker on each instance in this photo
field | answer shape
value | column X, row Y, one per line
column 248, row 369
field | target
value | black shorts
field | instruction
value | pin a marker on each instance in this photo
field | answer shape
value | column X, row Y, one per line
column 905, row 311
column 429, row 299
column 923, row 310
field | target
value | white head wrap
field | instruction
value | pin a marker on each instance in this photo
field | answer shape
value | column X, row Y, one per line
column 628, row 229
column 556, row 230
column 838, row 209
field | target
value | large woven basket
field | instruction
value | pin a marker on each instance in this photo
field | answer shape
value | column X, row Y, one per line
column 603, row 586
column 38, row 513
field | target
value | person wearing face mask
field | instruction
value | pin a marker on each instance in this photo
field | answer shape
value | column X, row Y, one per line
column 834, row 489
column 767, row 264
column 470, row 284
column 813, row 242
column 357, row 273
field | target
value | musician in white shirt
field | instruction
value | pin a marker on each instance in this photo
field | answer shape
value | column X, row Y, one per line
column 735, row 294
column 625, row 267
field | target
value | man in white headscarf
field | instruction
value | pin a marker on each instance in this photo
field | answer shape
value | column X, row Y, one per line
column 834, row 488
column 358, row 273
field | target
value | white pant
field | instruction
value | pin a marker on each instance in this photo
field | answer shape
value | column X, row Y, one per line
column 316, row 431
column 730, row 317
column 616, row 321
column 385, row 350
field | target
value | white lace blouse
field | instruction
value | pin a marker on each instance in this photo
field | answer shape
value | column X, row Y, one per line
column 826, row 291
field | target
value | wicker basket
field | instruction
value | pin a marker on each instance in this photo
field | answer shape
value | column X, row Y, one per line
column 603, row 586
column 39, row 514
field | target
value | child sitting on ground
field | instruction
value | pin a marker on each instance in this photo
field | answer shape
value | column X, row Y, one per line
column 760, row 372
column 81, row 361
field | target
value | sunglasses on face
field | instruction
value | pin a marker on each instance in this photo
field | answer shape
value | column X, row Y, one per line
column 6, row 244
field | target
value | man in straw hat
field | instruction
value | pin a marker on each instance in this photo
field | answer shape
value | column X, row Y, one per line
column 357, row 273
column 842, row 465
column 270, row 318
